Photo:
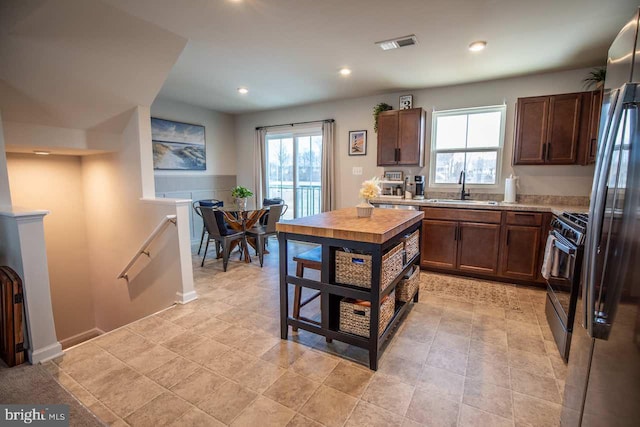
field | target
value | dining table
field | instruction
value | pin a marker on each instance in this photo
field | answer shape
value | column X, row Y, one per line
column 241, row 220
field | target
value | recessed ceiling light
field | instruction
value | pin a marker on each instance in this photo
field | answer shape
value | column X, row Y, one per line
column 243, row 90
column 345, row 71
column 477, row 46
column 41, row 153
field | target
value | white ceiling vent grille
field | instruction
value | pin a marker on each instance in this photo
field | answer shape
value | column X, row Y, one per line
column 398, row 42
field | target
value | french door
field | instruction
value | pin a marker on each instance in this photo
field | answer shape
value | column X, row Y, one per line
column 293, row 172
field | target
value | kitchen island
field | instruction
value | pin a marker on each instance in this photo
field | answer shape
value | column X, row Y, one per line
column 339, row 232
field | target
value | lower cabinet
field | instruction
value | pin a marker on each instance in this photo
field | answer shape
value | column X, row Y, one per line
column 439, row 244
column 464, row 246
column 500, row 244
column 478, row 246
column 520, row 252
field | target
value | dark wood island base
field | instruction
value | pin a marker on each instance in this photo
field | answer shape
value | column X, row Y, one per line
column 334, row 231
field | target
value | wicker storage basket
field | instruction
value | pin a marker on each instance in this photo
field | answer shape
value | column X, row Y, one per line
column 412, row 244
column 355, row 269
column 408, row 286
column 355, row 315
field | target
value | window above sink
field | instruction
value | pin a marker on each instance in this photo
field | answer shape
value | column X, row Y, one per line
column 469, row 139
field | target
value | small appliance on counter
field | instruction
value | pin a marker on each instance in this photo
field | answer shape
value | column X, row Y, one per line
column 420, row 182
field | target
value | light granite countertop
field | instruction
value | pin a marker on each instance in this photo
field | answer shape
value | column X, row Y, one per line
column 434, row 203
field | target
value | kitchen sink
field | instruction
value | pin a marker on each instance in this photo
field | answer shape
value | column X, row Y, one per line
column 464, row 202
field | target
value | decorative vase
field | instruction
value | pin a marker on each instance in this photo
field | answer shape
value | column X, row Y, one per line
column 365, row 209
column 241, row 202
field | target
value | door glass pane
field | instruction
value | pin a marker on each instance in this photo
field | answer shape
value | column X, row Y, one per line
column 280, row 171
column 484, row 130
column 451, row 132
column 481, row 167
column 448, row 167
column 294, row 173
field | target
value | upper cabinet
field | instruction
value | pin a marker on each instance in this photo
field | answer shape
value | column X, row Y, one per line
column 548, row 129
column 557, row 129
column 588, row 146
column 401, row 137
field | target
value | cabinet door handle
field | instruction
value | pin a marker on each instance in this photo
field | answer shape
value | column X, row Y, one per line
column 508, row 235
column 397, row 155
column 548, row 151
column 544, row 152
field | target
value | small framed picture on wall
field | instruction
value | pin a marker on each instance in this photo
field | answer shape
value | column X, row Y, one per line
column 358, row 143
column 406, row 102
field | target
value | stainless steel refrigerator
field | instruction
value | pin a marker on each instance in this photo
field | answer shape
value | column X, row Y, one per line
column 603, row 381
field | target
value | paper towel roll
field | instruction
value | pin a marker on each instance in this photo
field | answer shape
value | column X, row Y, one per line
column 510, row 190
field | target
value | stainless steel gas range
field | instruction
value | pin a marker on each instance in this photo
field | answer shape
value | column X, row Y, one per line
column 562, row 269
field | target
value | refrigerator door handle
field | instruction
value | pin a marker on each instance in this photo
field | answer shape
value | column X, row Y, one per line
column 596, row 211
column 607, row 302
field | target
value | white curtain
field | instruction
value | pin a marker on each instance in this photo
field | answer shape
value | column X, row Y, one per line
column 259, row 161
column 328, row 168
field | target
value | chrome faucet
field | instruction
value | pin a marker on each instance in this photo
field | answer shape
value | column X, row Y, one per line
column 462, row 180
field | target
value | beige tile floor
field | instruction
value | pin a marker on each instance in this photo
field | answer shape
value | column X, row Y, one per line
column 220, row 361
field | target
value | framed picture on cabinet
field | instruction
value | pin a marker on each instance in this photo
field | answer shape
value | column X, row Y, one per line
column 406, row 102
column 358, row 143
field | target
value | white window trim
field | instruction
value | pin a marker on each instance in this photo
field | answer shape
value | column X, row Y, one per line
column 499, row 150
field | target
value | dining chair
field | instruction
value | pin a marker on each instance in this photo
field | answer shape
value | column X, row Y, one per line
column 211, row 203
column 262, row 232
column 218, row 231
column 272, row 202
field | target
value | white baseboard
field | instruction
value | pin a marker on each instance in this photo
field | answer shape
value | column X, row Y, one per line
column 45, row 354
column 81, row 337
column 186, row 298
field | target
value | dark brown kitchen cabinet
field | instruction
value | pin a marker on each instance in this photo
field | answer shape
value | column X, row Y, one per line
column 478, row 246
column 588, row 146
column 503, row 245
column 401, row 137
column 439, row 244
column 458, row 242
column 520, row 252
column 547, row 129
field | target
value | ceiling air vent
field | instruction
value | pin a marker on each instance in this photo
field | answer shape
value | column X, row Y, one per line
column 398, row 42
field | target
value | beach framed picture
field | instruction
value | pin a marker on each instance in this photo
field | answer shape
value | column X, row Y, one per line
column 358, row 143
column 177, row 145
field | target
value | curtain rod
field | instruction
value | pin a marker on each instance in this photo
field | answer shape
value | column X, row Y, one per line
column 298, row 123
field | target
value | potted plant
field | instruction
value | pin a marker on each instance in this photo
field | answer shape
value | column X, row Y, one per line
column 595, row 78
column 377, row 110
column 241, row 194
column 370, row 190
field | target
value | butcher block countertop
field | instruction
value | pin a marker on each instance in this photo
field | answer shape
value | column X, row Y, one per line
column 345, row 224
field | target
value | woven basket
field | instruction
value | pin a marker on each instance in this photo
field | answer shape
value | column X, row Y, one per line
column 355, row 315
column 408, row 286
column 412, row 244
column 391, row 265
column 355, row 269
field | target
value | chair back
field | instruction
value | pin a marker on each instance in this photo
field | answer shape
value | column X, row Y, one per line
column 275, row 211
column 209, row 203
column 271, row 202
column 214, row 221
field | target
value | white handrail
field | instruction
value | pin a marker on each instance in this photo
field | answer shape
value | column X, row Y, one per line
column 143, row 249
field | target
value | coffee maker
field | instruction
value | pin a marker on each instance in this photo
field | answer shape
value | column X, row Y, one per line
column 420, row 182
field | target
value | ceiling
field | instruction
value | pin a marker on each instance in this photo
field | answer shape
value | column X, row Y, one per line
column 288, row 52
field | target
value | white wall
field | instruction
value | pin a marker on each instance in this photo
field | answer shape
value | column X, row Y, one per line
column 54, row 183
column 5, row 193
column 219, row 135
column 117, row 224
column 356, row 114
